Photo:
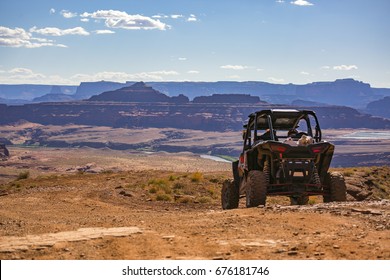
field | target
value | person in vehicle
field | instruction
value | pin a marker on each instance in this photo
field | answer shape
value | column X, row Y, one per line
column 267, row 135
column 290, row 135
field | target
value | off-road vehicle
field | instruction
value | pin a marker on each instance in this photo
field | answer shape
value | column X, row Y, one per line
column 283, row 154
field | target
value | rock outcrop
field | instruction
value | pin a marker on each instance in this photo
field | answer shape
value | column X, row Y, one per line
column 53, row 97
column 138, row 92
column 228, row 98
column 4, row 153
column 202, row 116
column 380, row 107
column 87, row 89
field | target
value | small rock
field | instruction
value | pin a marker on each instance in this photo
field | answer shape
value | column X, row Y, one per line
column 279, row 251
column 336, row 246
column 168, row 237
column 124, row 193
column 292, row 253
column 380, row 227
column 3, row 192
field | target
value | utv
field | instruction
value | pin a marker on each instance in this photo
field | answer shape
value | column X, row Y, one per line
column 283, row 154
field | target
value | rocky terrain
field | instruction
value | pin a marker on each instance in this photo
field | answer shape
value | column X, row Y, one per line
column 141, row 106
column 344, row 92
column 149, row 214
column 138, row 92
column 94, row 180
column 350, row 151
column 380, row 107
column 200, row 116
column 102, row 204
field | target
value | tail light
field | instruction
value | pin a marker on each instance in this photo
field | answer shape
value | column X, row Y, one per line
column 242, row 159
column 319, row 148
column 242, row 162
column 278, row 148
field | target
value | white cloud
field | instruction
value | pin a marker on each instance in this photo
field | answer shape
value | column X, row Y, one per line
column 345, row 67
column 84, row 19
column 21, row 71
column 160, row 16
column 67, row 14
column 275, row 80
column 259, row 69
column 234, row 67
column 176, row 16
column 106, row 76
column 304, row 73
column 164, row 72
column 233, row 77
column 106, row 31
column 52, row 11
column 20, row 38
column 193, row 72
column 122, row 76
column 325, row 67
column 302, row 3
column 280, row 1
column 118, row 19
column 182, row 58
column 20, row 74
column 54, row 31
column 192, row 18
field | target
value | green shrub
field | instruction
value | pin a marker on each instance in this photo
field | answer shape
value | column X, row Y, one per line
column 196, row 177
column 23, row 175
column 178, row 186
column 185, row 199
column 348, row 173
column 204, row 199
column 153, row 190
column 172, row 178
column 163, row 197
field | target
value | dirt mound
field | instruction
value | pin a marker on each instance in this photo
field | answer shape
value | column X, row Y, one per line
column 94, row 216
column 367, row 183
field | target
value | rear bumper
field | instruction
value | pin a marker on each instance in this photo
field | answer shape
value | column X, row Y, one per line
column 290, row 189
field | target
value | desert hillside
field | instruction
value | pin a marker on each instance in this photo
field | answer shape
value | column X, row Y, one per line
column 102, row 204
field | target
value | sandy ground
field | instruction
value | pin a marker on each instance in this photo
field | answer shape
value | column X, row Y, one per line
column 92, row 216
column 43, row 161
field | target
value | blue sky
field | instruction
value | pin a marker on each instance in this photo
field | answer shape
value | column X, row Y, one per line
column 67, row 41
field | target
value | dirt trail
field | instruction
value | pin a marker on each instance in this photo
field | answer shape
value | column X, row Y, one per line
column 87, row 220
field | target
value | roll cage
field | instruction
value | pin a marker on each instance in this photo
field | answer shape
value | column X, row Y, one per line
column 271, row 121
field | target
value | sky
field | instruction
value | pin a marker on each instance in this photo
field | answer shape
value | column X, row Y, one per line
column 67, row 42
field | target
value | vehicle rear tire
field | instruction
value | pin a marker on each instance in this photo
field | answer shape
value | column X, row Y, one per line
column 256, row 188
column 336, row 186
column 229, row 195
